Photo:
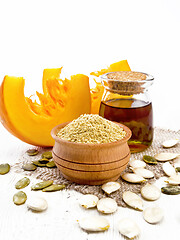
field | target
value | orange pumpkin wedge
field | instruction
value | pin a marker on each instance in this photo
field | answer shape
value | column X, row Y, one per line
column 97, row 92
column 31, row 121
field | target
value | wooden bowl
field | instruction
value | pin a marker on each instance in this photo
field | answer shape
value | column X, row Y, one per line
column 91, row 164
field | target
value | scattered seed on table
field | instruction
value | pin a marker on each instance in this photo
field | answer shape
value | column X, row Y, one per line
column 51, row 164
column 54, row 187
column 19, row 198
column 22, row 183
column 41, row 185
column 38, row 164
column 4, row 168
column 171, row 190
column 32, row 152
column 29, row 167
column 47, row 155
column 149, row 159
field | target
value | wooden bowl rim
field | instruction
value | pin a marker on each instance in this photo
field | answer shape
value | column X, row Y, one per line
column 59, row 140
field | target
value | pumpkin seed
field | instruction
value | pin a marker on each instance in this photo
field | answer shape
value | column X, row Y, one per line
column 32, row 152
column 133, row 178
column 43, row 160
column 171, row 190
column 54, row 187
column 107, row 205
column 177, row 162
column 51, row 164
column 94, row 223
column 137, row 164
column 41, row 185
column 178, row 169
column 149, row 159
column 128, row 228
column 153, row 214
column 47, row 155
column 168, row 169
column 145, row 173
column 38, row 164
column 163, row 157
column 37, row 204
column 29, row 167
column 110, row 187
column 170, row 143
column 133, row 200
column 89, row 201
column 22, row 183
column 4, row 168
column 173, row 180
column 19, row 198
column 150, row 192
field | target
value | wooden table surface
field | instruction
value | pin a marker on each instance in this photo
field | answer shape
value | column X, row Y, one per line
column 59, row 221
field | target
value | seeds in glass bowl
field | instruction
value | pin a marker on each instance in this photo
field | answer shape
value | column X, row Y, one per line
column 153, row 215
column 94, row 224
column 107, row 205
column 128, row 228
column 110, row 187
column 133, row 200
column 22, row 183
column 88, row 201
column 133, row 178
column 150, row 192
column 4, row 168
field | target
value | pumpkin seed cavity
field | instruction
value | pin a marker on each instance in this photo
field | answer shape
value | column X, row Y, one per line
column 37, row 204
column 171, row 190
column 149, row 159
column 51, row 164
column 88, row 201
column 153, row 214
column 128, row 228
column 22, row 183
column 29, row 167
column 47, row 155
column 94, row 224
column 4, row 168
column 32, row 152
column 150, row 192
column 133, row 200
column 110, row 187
column 41, row 185
column 19, row 198
column 133, row 178
column 54, row 188
column 107, row 205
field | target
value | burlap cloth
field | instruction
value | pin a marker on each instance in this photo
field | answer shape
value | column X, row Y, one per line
column 44, row 173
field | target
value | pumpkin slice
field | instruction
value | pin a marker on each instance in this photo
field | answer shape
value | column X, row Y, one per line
column 97, row 92
column 31, row 121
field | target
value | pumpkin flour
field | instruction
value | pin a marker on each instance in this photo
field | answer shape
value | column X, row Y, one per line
column 91, row 128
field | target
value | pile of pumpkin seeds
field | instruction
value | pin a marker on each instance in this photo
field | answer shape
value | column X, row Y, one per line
column 150, row 192
column 44, row 161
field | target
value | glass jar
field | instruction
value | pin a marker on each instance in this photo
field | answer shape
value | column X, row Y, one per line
column 126, row 100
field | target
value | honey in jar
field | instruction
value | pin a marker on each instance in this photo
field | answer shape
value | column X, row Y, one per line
column 126, row 100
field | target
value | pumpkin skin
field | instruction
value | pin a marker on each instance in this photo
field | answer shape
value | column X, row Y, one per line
column 97, row 92
column 32, row 122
